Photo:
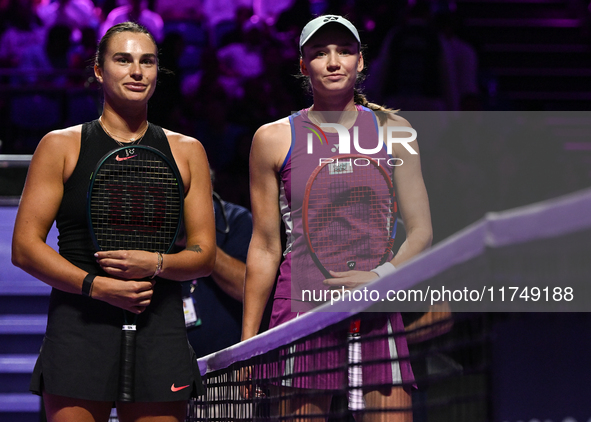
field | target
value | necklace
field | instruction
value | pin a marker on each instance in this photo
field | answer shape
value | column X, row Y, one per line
column 131, row 141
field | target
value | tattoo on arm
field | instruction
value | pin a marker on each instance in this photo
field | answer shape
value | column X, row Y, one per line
column 194, row 248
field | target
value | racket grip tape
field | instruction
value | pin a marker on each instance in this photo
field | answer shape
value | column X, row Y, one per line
column 127, row 365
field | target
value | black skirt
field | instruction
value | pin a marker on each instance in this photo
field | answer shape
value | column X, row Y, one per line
column 81, row 349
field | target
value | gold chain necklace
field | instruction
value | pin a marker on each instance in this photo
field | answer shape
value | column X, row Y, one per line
column 132, row 141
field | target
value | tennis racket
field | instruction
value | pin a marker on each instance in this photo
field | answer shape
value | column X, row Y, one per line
column 135, row 202
column 349, row 214
column 349, row 218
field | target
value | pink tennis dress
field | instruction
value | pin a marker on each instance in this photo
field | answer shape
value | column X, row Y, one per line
column 299, row 273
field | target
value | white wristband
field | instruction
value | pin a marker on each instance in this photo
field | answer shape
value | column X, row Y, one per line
column 384, row 269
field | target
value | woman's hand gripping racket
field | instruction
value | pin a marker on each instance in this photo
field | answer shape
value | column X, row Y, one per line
column 349, row 217
column 135, row 202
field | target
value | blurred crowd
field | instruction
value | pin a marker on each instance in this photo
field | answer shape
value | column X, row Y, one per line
column 229, row 66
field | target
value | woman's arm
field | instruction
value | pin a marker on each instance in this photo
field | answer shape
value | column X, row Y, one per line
column 269, row 148
column 52, row 164
column 412, row 199
column 198, row 257
column 228, row 273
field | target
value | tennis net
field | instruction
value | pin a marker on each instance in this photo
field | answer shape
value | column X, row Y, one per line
column 531, row 259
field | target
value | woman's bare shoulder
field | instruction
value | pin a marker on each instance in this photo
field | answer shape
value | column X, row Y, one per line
column 179, row 137
column 271, row 143
column 69, row 134
column 183, row 145
column 64, row 142
column 58, row 151
column 279, row 129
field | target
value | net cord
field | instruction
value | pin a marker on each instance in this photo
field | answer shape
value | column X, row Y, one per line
column 547, row 219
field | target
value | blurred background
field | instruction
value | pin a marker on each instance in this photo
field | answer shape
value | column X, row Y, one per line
column 232, row 67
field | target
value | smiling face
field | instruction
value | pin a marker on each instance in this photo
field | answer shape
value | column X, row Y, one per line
column 129, row 68
column 331, row 59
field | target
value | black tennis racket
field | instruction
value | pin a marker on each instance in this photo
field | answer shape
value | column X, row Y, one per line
column 135, row 202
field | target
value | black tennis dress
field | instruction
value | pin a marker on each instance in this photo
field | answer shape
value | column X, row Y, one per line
column 79, row 357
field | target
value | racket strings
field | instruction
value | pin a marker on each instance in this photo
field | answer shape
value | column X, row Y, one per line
column 350, row 218
column 135, row 204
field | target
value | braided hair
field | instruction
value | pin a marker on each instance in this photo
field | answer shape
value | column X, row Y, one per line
column 381, row 111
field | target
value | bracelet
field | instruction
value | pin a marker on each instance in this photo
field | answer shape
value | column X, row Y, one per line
column 159, row 265
column 384, row 269
column 87, row 285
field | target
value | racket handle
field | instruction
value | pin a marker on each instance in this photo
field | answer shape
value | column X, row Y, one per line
column 127, row 364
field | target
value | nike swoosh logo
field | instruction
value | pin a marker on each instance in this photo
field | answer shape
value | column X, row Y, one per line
column 175, row 389
column 124, row 158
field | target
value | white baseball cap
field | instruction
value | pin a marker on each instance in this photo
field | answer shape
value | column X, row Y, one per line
column 315, row 24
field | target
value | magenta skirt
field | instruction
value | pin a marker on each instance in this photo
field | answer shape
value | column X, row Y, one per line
column 322, row 362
